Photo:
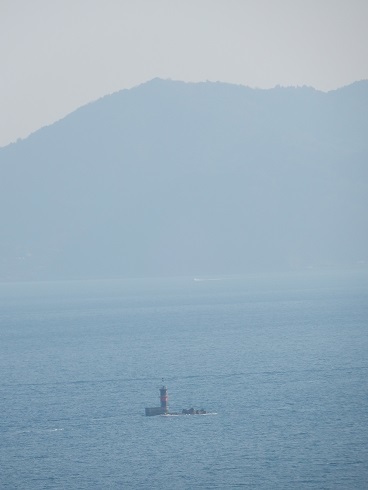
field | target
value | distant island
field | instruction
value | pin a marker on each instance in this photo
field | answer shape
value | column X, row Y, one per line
column 197, row 179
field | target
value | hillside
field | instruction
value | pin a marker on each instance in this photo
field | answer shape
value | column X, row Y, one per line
column 172, row 178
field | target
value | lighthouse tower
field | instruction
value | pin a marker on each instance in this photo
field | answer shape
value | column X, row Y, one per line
column 164, row 399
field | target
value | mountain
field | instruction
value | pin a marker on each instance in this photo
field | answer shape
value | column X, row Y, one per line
column 174, row 178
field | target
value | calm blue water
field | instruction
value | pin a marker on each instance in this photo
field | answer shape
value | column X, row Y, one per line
column 282, row 362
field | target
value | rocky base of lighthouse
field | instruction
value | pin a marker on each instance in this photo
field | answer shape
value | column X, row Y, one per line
column 155, row 411
column 160, row 411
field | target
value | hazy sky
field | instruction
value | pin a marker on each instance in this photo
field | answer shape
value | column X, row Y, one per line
column 57, row 55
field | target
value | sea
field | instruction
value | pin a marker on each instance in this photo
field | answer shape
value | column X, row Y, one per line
column 278, row 361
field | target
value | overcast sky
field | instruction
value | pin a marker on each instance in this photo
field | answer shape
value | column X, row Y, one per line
column 57, row 55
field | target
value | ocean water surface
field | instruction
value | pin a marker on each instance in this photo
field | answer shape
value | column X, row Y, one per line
column 280, row 362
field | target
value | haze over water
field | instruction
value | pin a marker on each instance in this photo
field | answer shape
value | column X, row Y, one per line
column 281, row 360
